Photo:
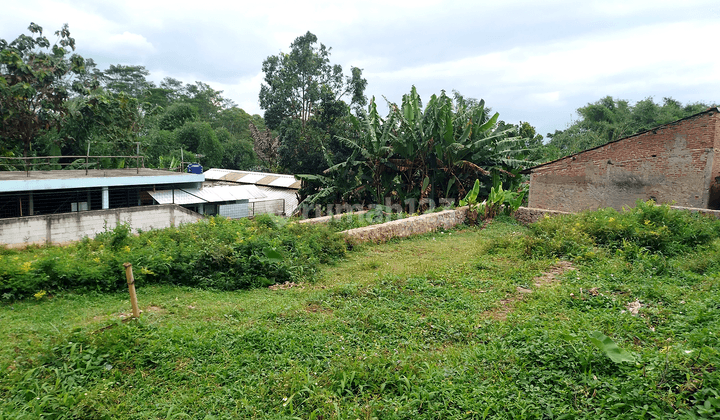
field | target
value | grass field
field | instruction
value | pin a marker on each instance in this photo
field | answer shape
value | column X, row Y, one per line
column 467, row 323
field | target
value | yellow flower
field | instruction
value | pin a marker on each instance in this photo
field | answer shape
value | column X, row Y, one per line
column 96, row 259
column 26, row 266
column 126, row 248
column 612, row 219
column 647, row 222
column 39, row 295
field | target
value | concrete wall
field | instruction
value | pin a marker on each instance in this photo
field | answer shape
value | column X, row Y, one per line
column 68, row 227
column 677, row 162
column 415, row 225
column 527, row 215
column 326, row 219
column 704, row 212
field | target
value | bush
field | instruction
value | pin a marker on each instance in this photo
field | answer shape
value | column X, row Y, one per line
column 646, row 228
column 214, row 253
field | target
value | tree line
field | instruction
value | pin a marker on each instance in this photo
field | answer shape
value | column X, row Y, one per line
column 54, row 102
column 317, row 124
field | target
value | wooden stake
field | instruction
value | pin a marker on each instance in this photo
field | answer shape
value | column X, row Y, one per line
column 131, row 287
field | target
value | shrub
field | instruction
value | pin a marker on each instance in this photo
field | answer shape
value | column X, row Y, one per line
column 215, row 253
column 647, row 228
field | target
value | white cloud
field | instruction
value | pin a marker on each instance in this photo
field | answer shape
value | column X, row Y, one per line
column 126, row 44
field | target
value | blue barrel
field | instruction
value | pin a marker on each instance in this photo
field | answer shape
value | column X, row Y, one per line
column 194, row 168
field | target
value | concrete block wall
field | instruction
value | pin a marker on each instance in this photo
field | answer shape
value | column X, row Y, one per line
column 69, row 227
column 326, row 219
column 677, row 162
column 415, row 225
column 527, row 215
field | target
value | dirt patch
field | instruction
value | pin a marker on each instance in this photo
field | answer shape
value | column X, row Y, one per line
column 317, row 308
column 546, row 279
column 123, row 315
column 549, row 277
column 286, row 285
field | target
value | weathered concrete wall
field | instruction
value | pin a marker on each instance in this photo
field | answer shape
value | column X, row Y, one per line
column 527, row 215
column 677, row 162
column 409, row 226
column 325, row 219
column 68, row 227
column 704, row 212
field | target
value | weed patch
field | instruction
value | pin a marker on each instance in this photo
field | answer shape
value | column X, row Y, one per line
column 396, row 330
column 214, row 253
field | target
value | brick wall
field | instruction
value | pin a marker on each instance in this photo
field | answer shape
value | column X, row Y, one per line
column 676, row 162
column 68, row 227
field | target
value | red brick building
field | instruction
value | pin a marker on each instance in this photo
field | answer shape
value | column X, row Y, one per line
column 677, row 162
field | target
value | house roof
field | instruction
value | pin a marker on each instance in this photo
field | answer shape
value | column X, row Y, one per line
column 529, row 170
column 17, row 181
column 256, row 178
column 219, row 194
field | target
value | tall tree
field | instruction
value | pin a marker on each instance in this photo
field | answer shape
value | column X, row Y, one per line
column 295, row 82
column 304, row 98
column 33, row 93
column 127, row 79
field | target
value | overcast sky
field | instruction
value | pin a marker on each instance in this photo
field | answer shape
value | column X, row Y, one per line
column 535, row 61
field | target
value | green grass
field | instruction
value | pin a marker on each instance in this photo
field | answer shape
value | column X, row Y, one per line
column 429, row 327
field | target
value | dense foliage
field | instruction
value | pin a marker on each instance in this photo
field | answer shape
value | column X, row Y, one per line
column 56, row 104
column 421, row 155
column 217, row 253
column 644, row 230
column 308, row 101
column 34, row 88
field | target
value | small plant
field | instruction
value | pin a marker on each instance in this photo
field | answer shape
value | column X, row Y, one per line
column 475, row 208
column 608, row 346
column 499, row 201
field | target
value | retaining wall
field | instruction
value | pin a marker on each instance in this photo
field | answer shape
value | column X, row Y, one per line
column 325, row 219
column 527, row 215
column 704, row 212
column 415, row 225
column 64, row 228
column 447, row 219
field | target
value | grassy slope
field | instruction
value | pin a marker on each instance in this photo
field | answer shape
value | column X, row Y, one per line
column 430, row 327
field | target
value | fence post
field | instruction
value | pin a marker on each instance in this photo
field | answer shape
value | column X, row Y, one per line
column 131, row 288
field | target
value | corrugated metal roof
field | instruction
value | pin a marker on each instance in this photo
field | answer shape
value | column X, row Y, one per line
column 258, row 178
column 232, row 177
column 219, row 194
column 266, row 180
